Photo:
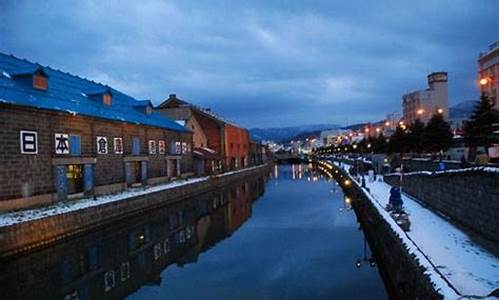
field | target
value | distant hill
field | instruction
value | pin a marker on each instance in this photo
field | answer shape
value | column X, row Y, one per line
column 462, row 109
column 356, row 126
column 306, row 135
column 286, row 134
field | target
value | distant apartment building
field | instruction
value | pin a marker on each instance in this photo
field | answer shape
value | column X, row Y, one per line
column 331, row 137
column 218, row 144
column 392, row 121
column 424, row 104
column 488, row 73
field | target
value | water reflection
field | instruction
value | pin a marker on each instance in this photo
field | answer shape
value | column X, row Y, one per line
column 119, row 259
column 300, row 240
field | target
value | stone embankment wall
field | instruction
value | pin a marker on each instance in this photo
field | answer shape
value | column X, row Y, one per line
column 37, row 233
column 403, row 276
column 413, row 165
column 469, row 198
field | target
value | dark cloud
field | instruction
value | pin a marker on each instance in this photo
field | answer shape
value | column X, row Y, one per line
column 260, row 63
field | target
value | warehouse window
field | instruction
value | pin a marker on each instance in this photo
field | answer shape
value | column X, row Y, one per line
column 106, row 99
column 136, row 146
column 75, row 145
column 40, row 81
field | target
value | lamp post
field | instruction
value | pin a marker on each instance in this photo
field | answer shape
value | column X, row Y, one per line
column 365, row 259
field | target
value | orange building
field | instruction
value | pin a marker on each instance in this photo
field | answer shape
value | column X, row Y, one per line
column 227, row 143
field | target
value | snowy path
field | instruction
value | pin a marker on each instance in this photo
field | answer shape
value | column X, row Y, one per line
column 470, row 269
column 8, row 219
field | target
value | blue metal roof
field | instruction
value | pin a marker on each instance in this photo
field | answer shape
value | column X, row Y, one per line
column 68, row 93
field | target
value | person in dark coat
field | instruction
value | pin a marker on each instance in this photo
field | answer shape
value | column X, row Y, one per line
column 395, row 199
column 463, row 162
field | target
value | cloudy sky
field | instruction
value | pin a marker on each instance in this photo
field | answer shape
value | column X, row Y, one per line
column 265, row 63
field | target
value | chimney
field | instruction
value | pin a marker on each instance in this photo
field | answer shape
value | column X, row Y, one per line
column 171, row 96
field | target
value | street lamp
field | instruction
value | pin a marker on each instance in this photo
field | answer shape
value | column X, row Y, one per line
column 483, row 81
column 420, row 111
column 440, row 111
column 387, row 123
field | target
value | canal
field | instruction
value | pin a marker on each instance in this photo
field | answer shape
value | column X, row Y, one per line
column 289, row 235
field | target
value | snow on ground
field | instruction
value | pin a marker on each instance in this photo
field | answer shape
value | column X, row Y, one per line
column 476, row 169
column 467, row 266
column 442, row 248
column 70, row 206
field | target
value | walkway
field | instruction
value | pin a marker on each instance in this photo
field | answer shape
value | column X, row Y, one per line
column 468, row 268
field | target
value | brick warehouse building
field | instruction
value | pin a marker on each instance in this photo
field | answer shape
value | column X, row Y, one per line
column 65, row 137
column 211, row 133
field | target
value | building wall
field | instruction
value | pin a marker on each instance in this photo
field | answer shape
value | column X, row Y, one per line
column 429, row 100
column 237, row 145
column 488, row 69
column 199, row 137
column 213, row 132
column 468, row 198
column 28, row 175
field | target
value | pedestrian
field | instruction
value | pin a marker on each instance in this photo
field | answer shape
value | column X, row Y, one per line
column 463, row 162
column 441, row 165
column 395, row 200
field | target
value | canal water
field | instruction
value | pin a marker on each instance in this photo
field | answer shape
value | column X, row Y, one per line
column 291, row 235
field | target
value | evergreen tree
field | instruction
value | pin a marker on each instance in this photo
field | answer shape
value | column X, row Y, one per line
column 416, row 136
column 478, row 130
column 370, row 144
column 437, row 135
column 379, row 144
column 398, row 142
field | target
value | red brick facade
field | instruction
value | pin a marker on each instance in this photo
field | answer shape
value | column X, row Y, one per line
column 237, row 146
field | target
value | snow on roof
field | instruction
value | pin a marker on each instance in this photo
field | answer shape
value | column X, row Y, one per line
column 181, row 122
column 208, row 149
column 68, row 92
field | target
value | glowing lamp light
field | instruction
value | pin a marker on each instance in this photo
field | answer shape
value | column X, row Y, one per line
column 420, row 111
column 387, row 123
column 367, row 130
column 354, row 146
column 347, row 200
column 440, row 110
column 483, row 81
column 369, row 145
column 347, row 182
column 378, row 129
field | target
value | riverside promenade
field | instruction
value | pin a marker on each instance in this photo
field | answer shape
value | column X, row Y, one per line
column 30, row 229
column 457, row 266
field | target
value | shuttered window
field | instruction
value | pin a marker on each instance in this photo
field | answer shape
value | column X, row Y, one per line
column 75, row 145
column 136, row 146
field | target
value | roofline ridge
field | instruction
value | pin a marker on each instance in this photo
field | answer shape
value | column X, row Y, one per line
column 64, row 72
column 98, row 106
